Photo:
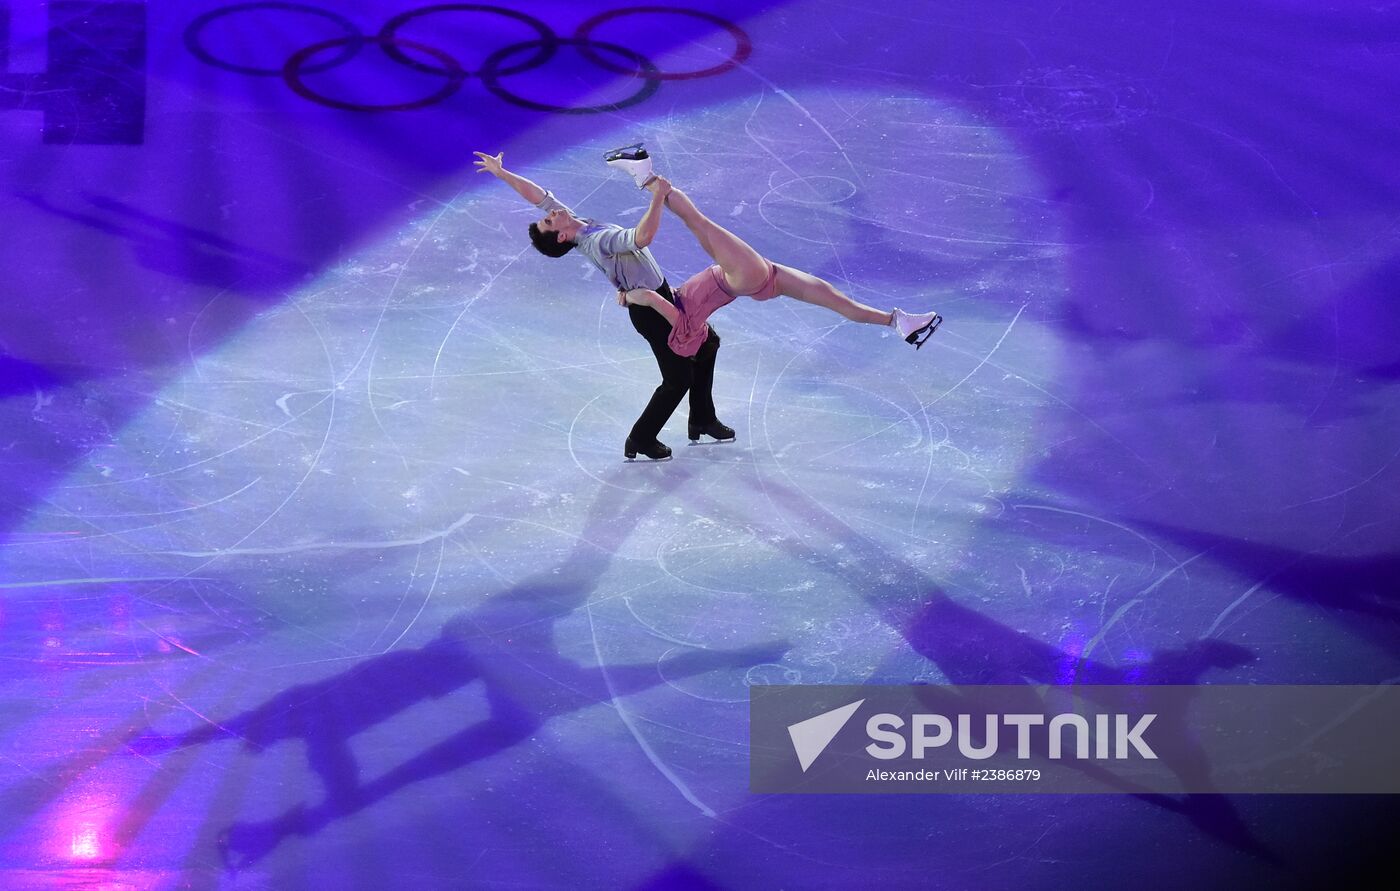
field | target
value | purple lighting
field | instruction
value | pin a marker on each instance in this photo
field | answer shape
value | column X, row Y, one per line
column 320, row 562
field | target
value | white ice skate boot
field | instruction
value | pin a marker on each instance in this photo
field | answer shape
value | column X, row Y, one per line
column 634, row 161
column 914, row 328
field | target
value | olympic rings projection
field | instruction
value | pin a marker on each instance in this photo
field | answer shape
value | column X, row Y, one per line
column 742, row 45
column 651, row 77
column 423, row 57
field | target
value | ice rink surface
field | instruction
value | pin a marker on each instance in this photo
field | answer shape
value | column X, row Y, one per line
column 320, row 565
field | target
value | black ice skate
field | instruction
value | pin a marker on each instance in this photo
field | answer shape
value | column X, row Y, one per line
column 714, row 429
column 656, row 450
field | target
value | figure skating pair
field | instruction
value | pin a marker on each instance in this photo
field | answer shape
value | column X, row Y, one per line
column 675, row 324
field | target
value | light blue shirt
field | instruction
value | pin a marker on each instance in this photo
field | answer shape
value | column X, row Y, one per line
column 613, row 250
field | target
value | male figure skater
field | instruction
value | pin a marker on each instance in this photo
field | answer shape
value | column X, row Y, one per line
column 739, row 269
column 623, row 257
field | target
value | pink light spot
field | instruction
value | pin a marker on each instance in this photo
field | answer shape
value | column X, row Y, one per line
column 85, row 843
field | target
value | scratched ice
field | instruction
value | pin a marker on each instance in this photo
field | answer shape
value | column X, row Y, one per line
column 400, row 416
column 433, row 428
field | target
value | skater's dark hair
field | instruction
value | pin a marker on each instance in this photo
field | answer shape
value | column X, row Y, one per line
column 548, row 243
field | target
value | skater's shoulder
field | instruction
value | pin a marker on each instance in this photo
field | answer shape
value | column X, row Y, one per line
column 550, row 202
column 609, row 238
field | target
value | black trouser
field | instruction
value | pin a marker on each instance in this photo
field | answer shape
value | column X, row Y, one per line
column 678, row 374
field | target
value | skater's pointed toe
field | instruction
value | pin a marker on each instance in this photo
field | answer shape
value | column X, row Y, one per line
column 916, row 328
column 656, row 450
column 714, row 429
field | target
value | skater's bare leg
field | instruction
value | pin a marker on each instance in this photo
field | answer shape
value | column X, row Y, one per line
column 820, row 292
column 745, row 272
column 646, row 297
column 744, row 269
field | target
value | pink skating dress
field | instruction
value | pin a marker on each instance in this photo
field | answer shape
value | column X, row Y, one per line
column 702, row 294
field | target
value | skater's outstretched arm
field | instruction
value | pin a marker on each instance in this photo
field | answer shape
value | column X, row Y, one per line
column 523, row 187
column 651, row 220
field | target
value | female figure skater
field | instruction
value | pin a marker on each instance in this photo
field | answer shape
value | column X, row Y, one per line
column 739, row 270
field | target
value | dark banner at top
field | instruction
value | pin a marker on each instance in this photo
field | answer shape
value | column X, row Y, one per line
column 1080, row 739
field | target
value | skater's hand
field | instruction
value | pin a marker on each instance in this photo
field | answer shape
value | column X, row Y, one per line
column 660, row 187
column 488, row 164
column 635, row 297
